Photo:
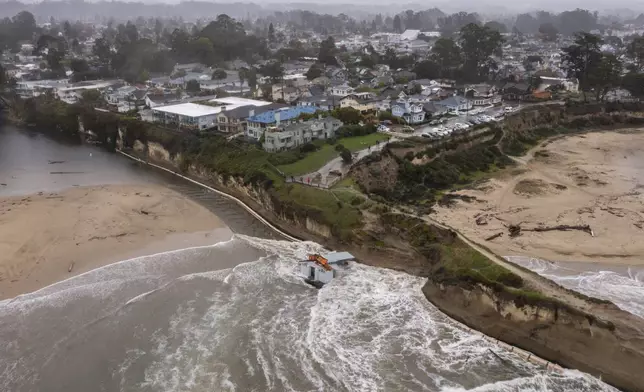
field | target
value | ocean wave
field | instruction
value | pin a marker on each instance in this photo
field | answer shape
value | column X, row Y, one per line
column 369, row 330
column 625, row 289
column 174, row 322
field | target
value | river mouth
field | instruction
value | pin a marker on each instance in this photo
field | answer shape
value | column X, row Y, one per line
column 235, row 315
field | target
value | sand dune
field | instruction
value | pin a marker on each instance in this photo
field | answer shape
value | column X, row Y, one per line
column 594, row 179
column 48, row 237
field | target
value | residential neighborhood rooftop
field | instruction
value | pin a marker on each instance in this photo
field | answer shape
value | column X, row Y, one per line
column 189, row 110
column 284, row 114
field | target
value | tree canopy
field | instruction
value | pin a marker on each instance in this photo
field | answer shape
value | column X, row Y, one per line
column 479, row 44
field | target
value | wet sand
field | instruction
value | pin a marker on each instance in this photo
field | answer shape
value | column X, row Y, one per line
column 49, row 237
column 594, row 179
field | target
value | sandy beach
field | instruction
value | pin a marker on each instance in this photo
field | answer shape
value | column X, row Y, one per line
column 48, row 237
column 593, row 179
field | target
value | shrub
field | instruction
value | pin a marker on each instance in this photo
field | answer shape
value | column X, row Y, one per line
column 346, row 156
column 308, row 147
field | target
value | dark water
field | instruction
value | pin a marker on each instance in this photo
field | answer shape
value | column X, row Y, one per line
column 233, row 316
column 31, row 162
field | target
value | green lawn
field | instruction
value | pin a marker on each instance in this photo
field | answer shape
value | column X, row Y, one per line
column 327, row 152
column 322, row 205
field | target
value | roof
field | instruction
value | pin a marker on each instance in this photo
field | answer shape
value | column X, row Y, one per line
column 189, row 110
column 453, row 101
column 240, row 101
column 289, row 113
column 161, row 98
column 431, row 107
column 139, row 94
column 338, row 257
column 242, row 112
column 409, row 35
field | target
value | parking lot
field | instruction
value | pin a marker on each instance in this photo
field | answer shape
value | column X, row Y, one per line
column 461, row 121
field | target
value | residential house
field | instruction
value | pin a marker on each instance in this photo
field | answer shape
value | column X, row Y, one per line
column 433, row 110
column 258, row 123
column 336, row 73
column 455, row 104
column 186, row 115
column 409, row 35
column 341, row 90
column 134, row 101
column 482, row 94
column 299, row 133
column 190, row 67
column 153, row 100
column 360, row 101
column 404, row 76
column 231, row 82
column 382, row 81
column 516, row 91
column 182, row 81
column 412, row 113
column 417, row 45
column 234, row 120
column 571, row 85
column 323, row 102
column 288, row 94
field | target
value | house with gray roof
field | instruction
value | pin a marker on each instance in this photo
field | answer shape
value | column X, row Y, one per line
column 455, row 104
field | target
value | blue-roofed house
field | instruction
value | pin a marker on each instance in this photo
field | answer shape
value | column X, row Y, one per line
column 258, row 123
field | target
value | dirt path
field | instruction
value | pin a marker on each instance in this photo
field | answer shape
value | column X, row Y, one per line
column 536, row 282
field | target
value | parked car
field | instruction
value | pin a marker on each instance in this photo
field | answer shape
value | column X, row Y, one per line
column 407, row 128
column 382, row 128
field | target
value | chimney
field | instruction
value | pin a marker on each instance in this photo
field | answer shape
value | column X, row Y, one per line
column 251, row 113
column 277, row 119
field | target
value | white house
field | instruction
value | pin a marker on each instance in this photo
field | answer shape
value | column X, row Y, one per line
column 318, row 270
column 412, row 113
column 342, row 90
column 571, row 85
column 482, row 94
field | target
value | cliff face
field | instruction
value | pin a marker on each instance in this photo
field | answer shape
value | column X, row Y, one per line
column 299, row 224
column 612, row 352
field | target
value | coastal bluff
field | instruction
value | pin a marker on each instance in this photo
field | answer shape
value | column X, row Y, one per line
column 565, row 328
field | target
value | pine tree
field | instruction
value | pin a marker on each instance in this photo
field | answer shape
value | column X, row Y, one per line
column 271, row 33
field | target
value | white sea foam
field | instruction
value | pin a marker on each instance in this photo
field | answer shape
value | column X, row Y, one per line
column 257, row 326
column 369, row 330
column 626, row 290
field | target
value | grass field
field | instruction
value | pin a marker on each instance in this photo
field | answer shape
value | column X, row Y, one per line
column 327, row 152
